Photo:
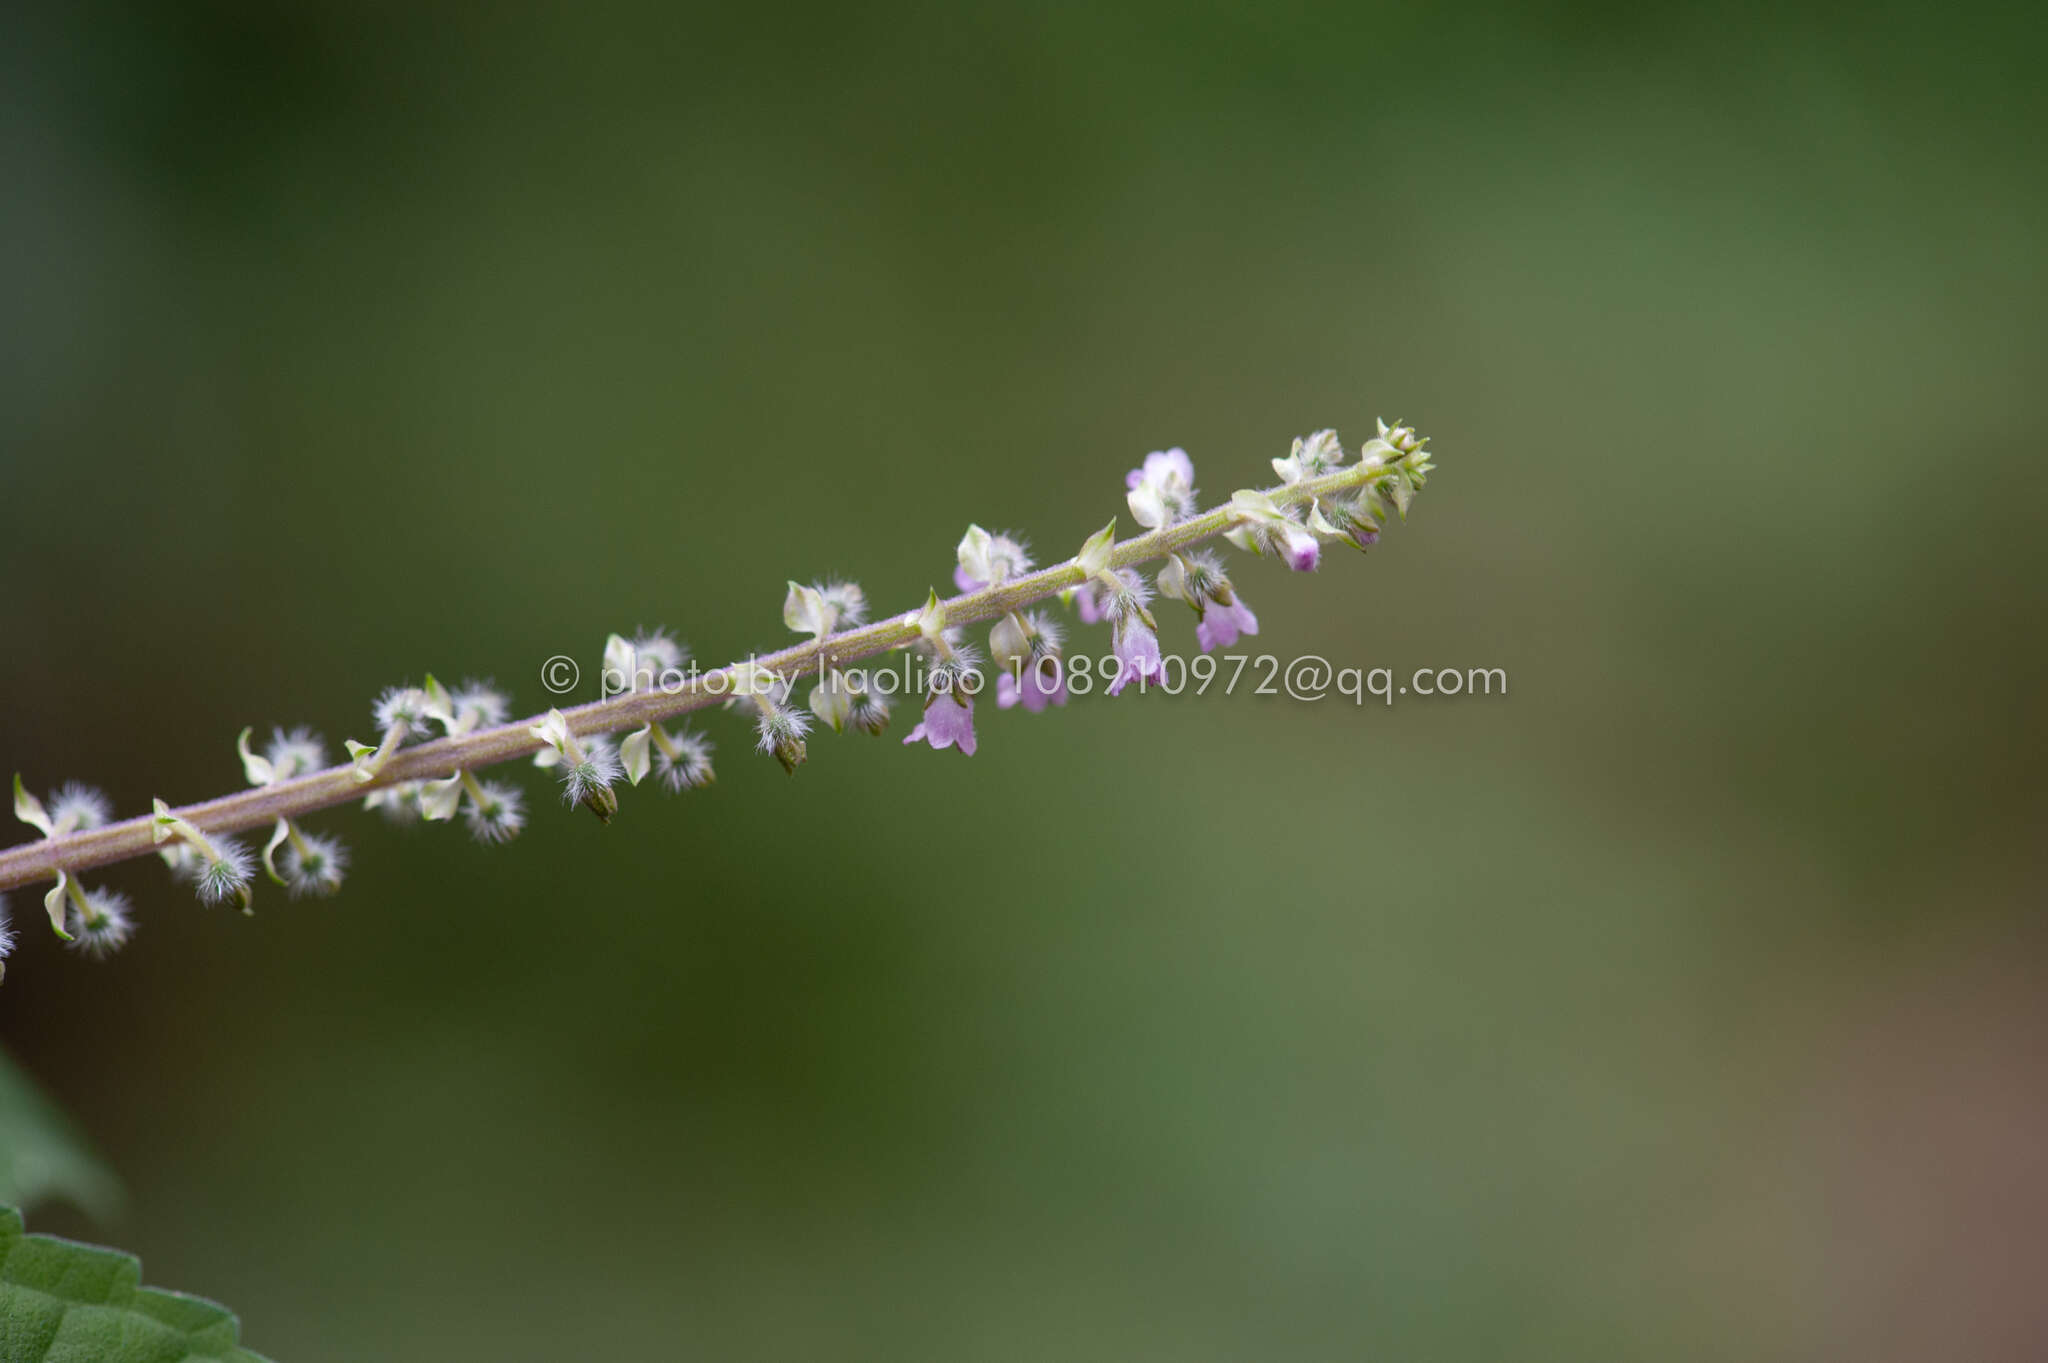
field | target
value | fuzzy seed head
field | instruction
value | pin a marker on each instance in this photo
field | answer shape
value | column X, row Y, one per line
column 104, row 926
column 1126, row 601
column 848, row 600
column 782, row 735
column 1047, row 636
column 479, row 705
column 690, row 768
column 316, row 871
column 74, row 806
column 499, row 816
column 403, row 707
column 225, row 874
column 593, row 776
column 869, row 713
column 295, row 753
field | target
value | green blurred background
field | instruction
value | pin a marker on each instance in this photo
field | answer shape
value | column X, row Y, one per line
column 1684, row 1004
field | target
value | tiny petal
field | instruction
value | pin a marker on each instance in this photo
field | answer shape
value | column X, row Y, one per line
column 1137, row 652
column 1221, row 625
column 1302, row 550
column 1095, row 552
column 258, row 770
column 635, row 752
column 438, row 799
column 29, row 809
column 948, row 723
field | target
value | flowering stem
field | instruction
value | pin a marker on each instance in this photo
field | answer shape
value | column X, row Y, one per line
column 441, row 758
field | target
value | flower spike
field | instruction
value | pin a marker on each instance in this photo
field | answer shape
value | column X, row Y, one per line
column 1323, row 498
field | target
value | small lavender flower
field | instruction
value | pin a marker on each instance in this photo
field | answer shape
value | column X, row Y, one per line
column 313, row 864
column 1034, row 687
column 1222, row 625
column 1038, row 678
column 1220, row 614
column 948, row 723
column 1162, row 490
column 1122, row 596
column 495, row 812
column 1137, row 652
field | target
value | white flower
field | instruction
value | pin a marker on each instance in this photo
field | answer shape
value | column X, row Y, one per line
column 640, row 663
column 1162, row 490
column 987, row 560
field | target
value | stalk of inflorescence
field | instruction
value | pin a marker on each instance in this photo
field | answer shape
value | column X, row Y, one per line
column 1322, row 499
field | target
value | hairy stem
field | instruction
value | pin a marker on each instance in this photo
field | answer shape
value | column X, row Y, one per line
column 442, row 757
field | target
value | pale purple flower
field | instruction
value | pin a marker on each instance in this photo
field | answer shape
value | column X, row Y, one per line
column 1162, row 491
column 1221, row 625
column 948, row 723
column 1089, row 603
column 1302, row 550
column 966, row 583
column 1042, row 685
column 1161, row 465
column 1137, row 654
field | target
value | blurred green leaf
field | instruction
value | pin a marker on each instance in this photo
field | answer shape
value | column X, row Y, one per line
column 42, row 1156
column 63, row 1301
